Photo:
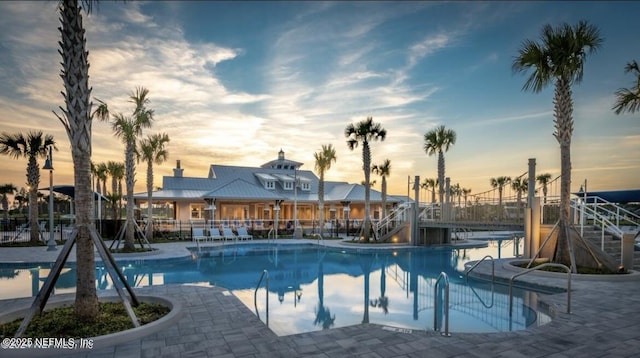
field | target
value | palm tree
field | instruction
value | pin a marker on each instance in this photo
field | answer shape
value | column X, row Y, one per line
column 152, row 150
column 100, row 172
column 628, row 99
column 365, row 131
column 324, row 157
column 383, row 170
column 544, row 180
column 32, row 146
column 559, row 58
column 519, row 185
column 128, row 129
column 438, row 140
column 430, row 183
column 6, row 189
column 465, row 193
column 116, row 171
column 76, row 118
column 499, row 183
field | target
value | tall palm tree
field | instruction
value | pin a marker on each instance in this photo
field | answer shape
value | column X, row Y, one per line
column 499, row 183
column 324, row 157
column 628, row 99
column 365, row 132
column 519, row 185
column 32, row 146
column 544, row 180
column 128, row 129
column 152, row 150
column 116, row 171
column 430, row 183
column 559, row 58
column 383, row 170
column 76, row 118
column 6, row 189
column 438, row 140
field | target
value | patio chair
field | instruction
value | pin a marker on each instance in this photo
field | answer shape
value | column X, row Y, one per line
column 197, row 234
column 228, row 234
column 243, row 234
column 214, row 234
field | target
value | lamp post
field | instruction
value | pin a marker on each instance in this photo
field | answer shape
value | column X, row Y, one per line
column 48, row 165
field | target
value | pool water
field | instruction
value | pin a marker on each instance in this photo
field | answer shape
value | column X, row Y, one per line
column 315, row 287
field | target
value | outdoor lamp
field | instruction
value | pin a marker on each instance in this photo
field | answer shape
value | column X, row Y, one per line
column 48, row 165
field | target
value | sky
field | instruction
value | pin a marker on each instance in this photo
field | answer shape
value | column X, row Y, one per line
column 232, row 83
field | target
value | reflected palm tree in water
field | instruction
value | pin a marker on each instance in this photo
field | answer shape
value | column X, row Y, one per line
column 382, row 301
column 366, row 262
column 323, row 314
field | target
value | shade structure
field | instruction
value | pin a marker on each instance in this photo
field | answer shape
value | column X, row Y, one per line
column 69, row 190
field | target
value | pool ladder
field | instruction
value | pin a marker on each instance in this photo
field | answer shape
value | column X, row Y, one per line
column 445, row 278
column 265, row 276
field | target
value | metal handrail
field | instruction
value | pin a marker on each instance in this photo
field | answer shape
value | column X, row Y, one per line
column 548, row 264
column 446, row 304
column 265, row 274
column 493, row 268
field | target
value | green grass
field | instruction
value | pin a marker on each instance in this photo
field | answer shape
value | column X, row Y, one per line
column 61, row 322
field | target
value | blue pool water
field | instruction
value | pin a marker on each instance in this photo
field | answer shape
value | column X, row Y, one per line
column 314, row 287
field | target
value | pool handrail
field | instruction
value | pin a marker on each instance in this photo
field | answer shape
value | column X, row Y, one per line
column 443, row 276
column 548, row 264
column 265, row 276
column 493, row 269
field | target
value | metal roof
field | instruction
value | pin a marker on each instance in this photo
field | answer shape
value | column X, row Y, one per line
column 613, row 196
column 244, row 183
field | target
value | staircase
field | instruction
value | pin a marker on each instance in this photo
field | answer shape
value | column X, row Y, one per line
column 612, row 245
column 604, row 223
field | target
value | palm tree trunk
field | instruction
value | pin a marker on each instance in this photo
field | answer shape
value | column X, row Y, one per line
column 366, row 161
column 321, row 202
column 441, row 178
column 563, row 107
column 384, row 197
column 33, row 180
column 78, row 126
column 129, row 173
column 149, row 227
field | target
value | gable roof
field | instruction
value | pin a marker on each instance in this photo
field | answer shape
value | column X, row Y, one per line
column 247, row 183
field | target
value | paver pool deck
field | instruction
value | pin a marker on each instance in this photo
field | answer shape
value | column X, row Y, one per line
column 604, row 322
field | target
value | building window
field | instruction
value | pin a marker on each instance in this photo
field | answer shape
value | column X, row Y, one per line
column 288, row 185
column 306, row 186
column 269, row 184
column 197, row 211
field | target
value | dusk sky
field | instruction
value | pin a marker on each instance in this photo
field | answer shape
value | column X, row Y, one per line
column 234, row 82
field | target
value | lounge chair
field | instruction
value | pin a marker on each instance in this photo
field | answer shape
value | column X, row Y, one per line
column 197, row 234
column 228, row 234
column 214, row 234
column 243, row 234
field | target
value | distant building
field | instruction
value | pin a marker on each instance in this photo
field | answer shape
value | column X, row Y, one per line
column 249, row 194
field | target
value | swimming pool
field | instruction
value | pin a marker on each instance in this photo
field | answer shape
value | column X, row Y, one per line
column 316, row 287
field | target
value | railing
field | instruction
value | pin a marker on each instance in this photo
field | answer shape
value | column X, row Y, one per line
column 446, row 304
column 493, row 269
column 538, row 268
column 392, row 220
column 265, row 275
column 609, row 216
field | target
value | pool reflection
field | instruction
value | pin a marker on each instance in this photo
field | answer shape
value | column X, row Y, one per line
column 313, row 288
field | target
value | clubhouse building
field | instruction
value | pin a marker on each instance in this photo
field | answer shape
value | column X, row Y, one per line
column 256, row 196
